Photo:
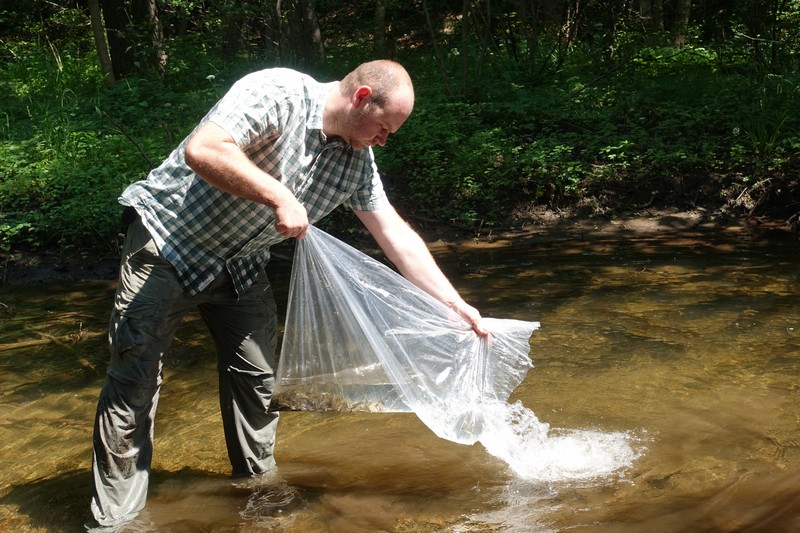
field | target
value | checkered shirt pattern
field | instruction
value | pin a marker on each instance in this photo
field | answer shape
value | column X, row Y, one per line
column 275, row 116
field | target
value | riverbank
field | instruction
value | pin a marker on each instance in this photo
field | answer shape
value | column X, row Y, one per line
column 26, row 268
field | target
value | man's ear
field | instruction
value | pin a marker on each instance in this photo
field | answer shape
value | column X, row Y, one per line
column 362, row 96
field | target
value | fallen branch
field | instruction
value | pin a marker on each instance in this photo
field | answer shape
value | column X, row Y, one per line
column 63, row 340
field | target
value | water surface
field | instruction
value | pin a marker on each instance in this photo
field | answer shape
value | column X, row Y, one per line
column 684, row 341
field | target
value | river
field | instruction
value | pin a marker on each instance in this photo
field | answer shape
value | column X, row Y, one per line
column 664, row 392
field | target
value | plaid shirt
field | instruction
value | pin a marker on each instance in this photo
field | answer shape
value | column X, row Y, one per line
column 275, row 116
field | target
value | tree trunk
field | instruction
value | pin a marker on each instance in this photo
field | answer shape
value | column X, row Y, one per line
column 682, row 11
column 658, row 15
column 299, row 33
column 379, row 28
column 279, row 30
column 646, row 12
column 530, row 15
column 779, row 7
column 436, row 52
column 312, row 31
column 465, row 51
column 100, row 43
column 232, row 24
column 570, row 28
column 652, row 14
column 134, row 34
column 121, row 49
column 147, row 23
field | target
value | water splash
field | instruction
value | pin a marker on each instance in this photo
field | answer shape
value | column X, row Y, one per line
column 534, row 452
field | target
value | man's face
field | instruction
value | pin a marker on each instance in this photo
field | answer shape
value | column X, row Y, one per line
column 370, row 125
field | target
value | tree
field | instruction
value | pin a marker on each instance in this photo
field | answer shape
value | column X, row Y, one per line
column 233, row 22
column 652, row 14
column 135, row 37
column 681, row 27
column 100, row 42
column 307, row 40
column 379, row 28
column 119, row 41
column 146, row 21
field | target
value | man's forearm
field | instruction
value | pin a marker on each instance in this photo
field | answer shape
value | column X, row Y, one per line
column 214, row 156
column 408, row 252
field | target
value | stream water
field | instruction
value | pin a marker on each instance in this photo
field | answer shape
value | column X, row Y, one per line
column 664, row 398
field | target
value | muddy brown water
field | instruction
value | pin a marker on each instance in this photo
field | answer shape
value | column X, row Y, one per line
column 685, row 340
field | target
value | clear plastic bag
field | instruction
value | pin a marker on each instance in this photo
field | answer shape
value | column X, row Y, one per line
column 360, row 337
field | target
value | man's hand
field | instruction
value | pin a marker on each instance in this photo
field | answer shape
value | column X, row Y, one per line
column 470, row 314
column 291, row 218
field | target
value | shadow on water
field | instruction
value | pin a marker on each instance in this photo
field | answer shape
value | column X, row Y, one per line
column 185, row 500
column 56, row 503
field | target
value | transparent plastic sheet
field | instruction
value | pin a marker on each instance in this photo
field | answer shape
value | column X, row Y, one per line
column 360, row 337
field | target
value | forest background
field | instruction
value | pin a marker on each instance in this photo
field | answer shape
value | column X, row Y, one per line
column 593, row 107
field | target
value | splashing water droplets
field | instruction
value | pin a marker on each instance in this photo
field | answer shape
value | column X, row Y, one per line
column 533, row 451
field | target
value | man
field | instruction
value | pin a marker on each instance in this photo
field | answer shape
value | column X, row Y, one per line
column 279, row 151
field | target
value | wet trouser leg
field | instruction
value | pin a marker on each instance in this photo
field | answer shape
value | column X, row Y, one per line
column 244, row 334
column 148, row 307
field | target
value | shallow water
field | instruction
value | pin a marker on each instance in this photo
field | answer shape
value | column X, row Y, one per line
column 681, row 344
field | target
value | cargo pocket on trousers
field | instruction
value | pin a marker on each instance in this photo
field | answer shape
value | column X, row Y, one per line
column 135, row 358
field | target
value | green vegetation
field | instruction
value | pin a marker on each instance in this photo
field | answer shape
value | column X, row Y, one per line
column 609, row 118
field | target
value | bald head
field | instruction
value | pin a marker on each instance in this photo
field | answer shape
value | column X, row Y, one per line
column 384, row 77
column 372, row 101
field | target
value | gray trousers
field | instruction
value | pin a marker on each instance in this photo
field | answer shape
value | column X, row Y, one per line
column 148, row 307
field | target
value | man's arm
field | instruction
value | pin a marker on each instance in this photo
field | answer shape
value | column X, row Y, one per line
column 406, row 249
column 214, row 156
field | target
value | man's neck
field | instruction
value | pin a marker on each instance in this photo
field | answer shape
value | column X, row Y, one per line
column 334, row 106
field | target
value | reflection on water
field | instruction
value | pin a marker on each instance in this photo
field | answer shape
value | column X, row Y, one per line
column 684, row 343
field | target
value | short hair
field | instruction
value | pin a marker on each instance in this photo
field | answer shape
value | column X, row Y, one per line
column 383, row 76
